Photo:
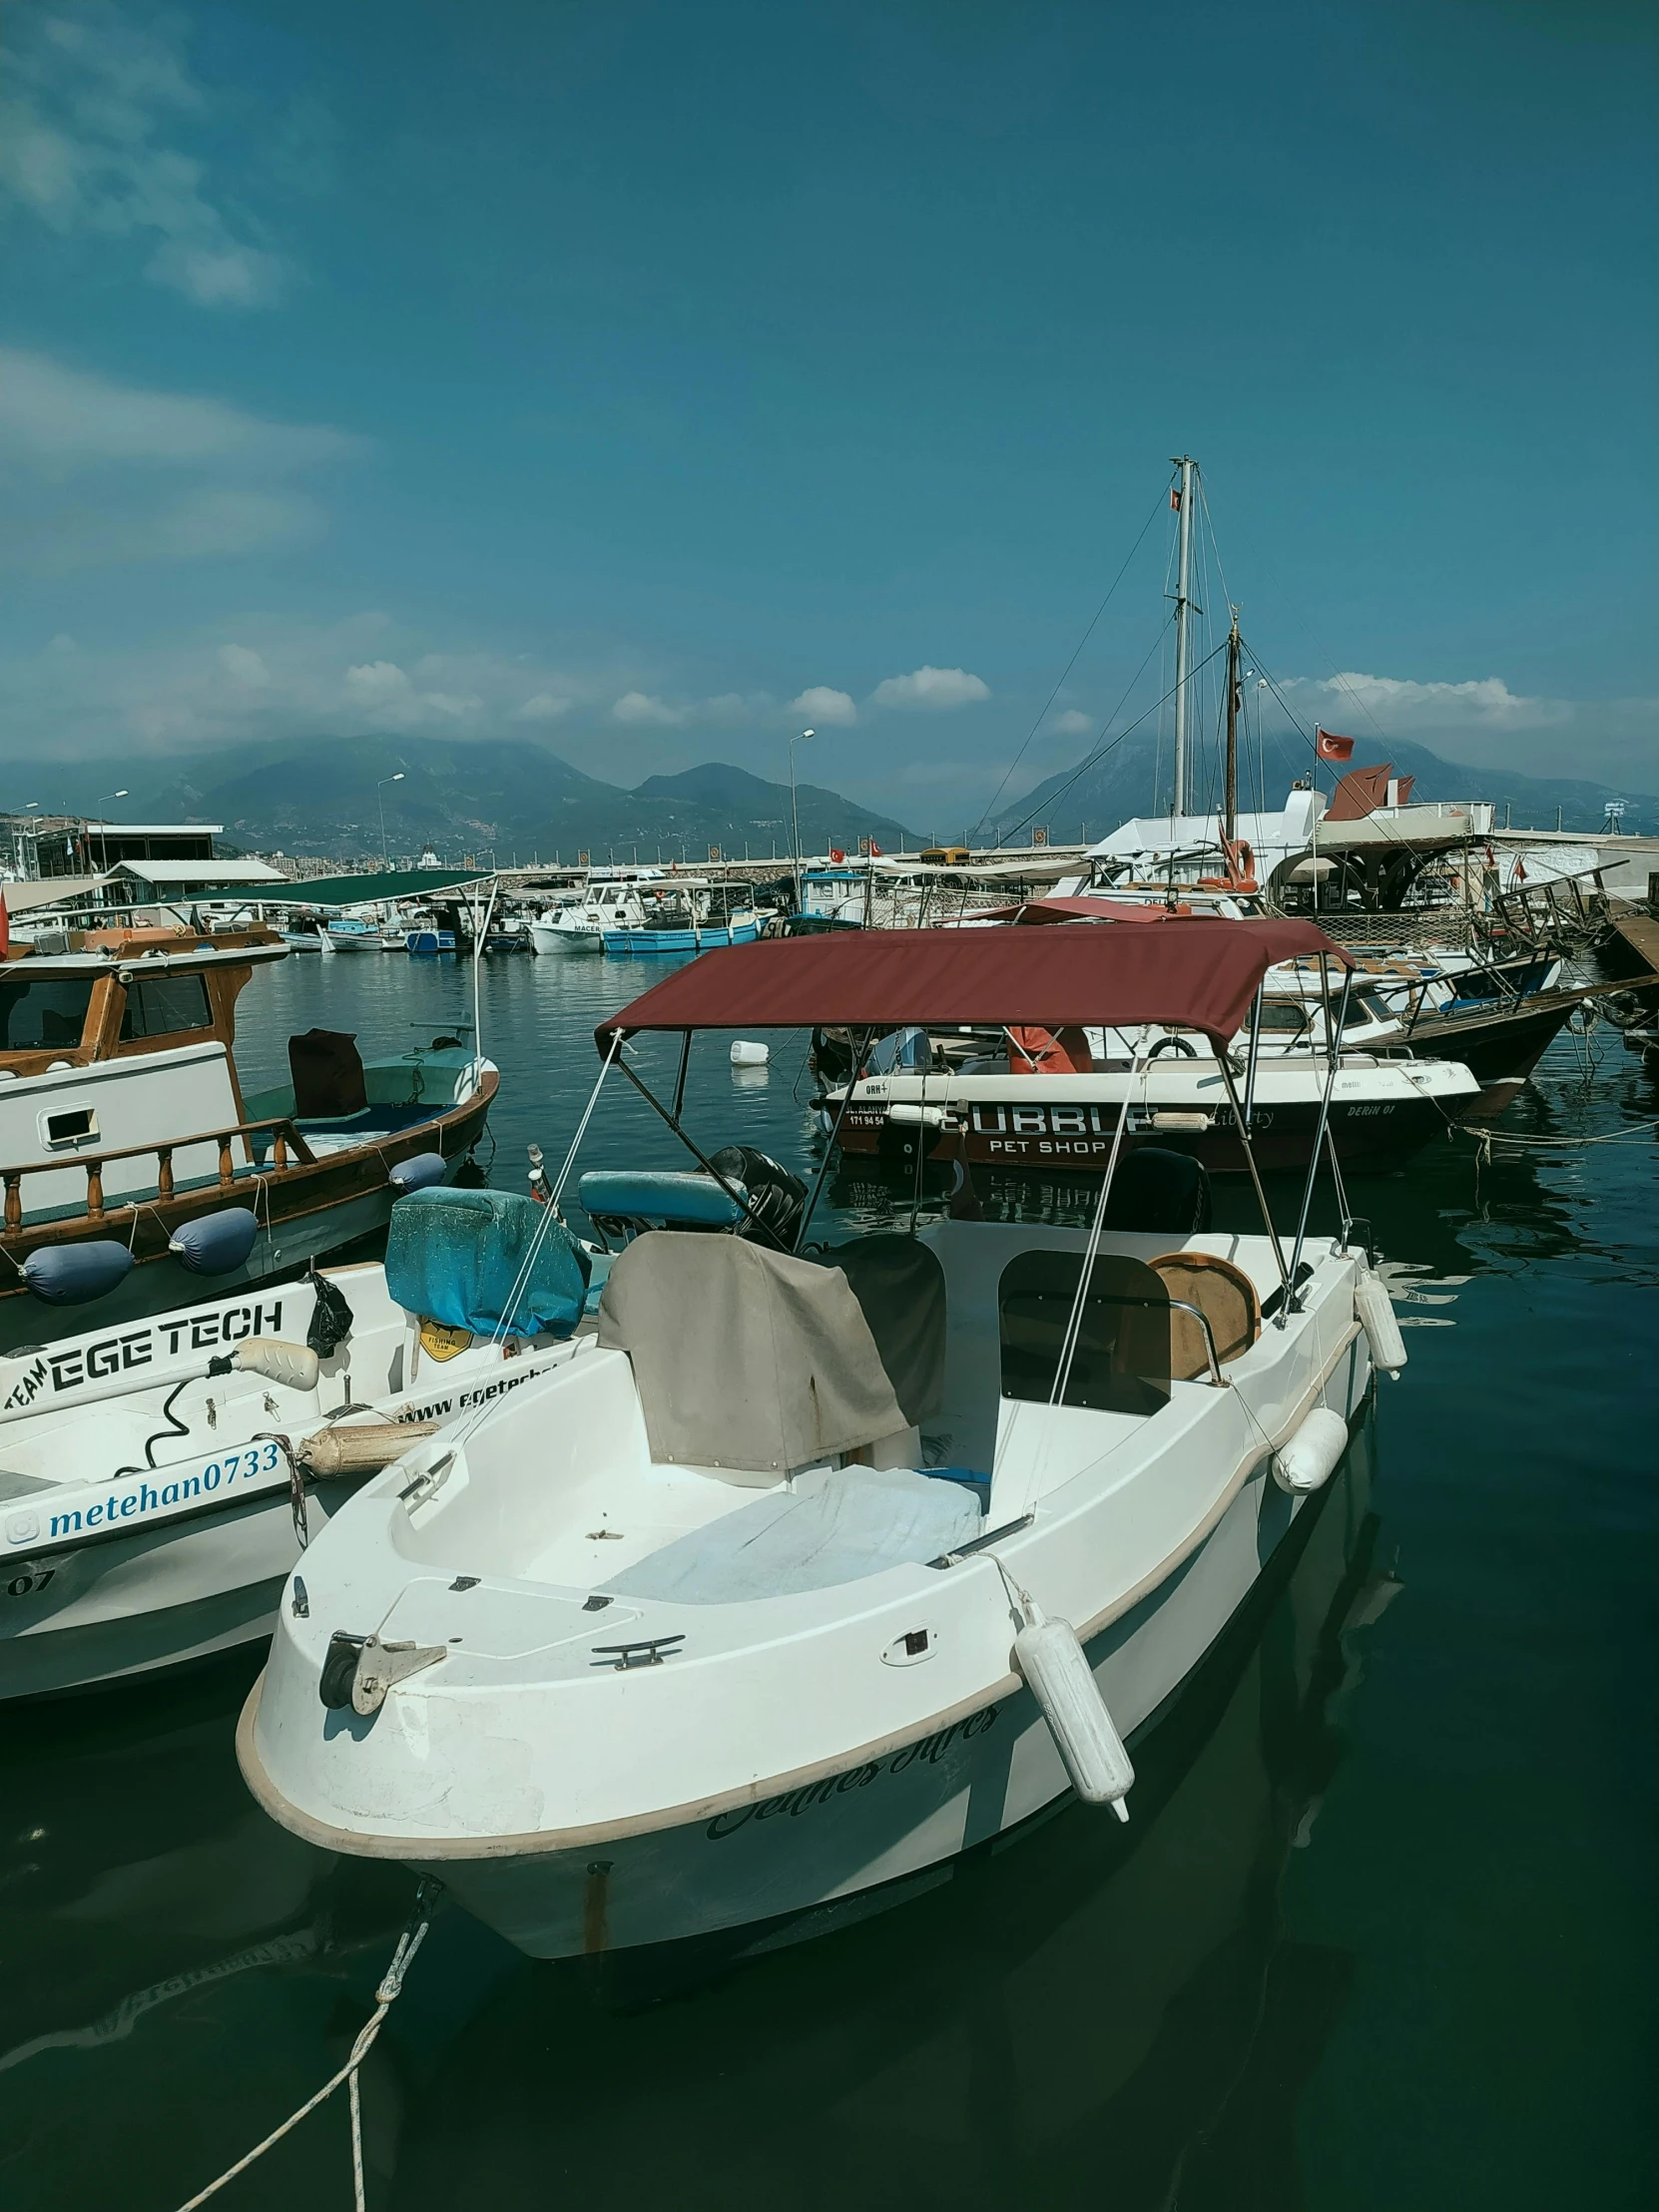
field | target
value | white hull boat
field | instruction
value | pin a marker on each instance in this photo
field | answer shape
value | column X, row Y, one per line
column 156, row 1478
column 803, row 1576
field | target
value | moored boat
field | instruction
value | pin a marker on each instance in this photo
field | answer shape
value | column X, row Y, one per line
column 812, row 1568
column 159, row 1479
column 132, row 1161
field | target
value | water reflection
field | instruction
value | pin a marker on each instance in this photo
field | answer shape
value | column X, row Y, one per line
column 1081, row 2004
column 1081, row 1993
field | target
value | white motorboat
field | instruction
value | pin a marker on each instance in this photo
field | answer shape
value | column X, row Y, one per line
column 808, row 1571
column 1029, row 1095
column 608, row 899
column 158, row 1480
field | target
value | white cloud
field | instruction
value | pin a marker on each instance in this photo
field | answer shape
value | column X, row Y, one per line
column 1398, row 702
column 98, row 472
column 244, row 666
column 543, row 706
column 73, row 417
column 385, row 696
column 87, row 121
column 645, row 710
column 819, row 704
column 1072, row 723
column 932, row 688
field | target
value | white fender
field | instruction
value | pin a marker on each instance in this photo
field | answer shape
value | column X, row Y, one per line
column 278, row 1361
column 1374, row 1310
column 748, row 1055
column 1049, row 1656
column 1310, row 1458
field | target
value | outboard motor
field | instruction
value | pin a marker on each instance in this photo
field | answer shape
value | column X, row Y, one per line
column 776, row 1195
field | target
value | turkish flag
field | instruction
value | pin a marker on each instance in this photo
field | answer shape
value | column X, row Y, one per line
column 837, row 855
column 5, row 928
column 1175, row 498
column 874, row 849
column 1329, row 747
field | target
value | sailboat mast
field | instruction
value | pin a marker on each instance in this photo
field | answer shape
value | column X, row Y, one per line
column 1178, row 803
column 1232, row 802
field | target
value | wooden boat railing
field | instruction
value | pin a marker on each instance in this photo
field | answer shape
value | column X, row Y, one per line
column 281, row 1128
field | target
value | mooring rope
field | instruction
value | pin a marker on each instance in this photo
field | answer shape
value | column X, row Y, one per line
column 391, row 1989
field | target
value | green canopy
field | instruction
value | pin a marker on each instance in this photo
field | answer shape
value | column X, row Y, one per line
column 347, row 891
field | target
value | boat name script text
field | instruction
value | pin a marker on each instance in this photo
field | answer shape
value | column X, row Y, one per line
column 794, row 1802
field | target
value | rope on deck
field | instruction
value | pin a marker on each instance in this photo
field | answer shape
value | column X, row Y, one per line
column 392, row 1985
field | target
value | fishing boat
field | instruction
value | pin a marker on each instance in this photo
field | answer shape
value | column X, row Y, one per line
column 689, row 915
column 813, row 1570
column 132, row 1161
column 608, row 897
column 352, row 933
column 158, row 1480
column 429, row 939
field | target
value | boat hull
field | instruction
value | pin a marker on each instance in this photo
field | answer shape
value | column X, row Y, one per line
column 1043, row 1137
column 870, row 1828
column 704, row 938
column 1500, row 1049
column 141, row 1603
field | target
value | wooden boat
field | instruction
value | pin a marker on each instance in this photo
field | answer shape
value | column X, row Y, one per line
column 125, row 1133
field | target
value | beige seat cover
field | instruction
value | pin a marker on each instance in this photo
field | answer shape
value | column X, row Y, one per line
column 1224, row 1295
column 745, row 1360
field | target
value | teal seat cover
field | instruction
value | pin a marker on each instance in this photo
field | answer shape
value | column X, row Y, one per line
column 657, row 1196
column 456, row 1256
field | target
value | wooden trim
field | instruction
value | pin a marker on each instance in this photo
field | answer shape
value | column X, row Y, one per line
column 308, row 1185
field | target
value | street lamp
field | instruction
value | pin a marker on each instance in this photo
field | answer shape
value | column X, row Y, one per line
column 380, row 797
column 105, row 828
column 794, row 813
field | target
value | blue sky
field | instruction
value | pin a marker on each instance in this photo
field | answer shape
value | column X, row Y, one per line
column 653, row 379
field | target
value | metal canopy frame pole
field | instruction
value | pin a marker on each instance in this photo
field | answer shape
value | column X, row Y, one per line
column 702, row 1157
column 1325, row 1115
column 834, row 1138
column 1255, row 1053
column 1255, row 1173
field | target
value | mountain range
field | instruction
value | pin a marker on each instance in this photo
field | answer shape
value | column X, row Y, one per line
column 1132, row 777
column 518, row 800
column 492, row 796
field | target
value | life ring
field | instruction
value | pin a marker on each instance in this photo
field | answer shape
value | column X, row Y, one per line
column 1178, row 1045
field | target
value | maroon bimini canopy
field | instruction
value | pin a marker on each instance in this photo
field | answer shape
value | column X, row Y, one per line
column 1070, row 909
column 1197, row 974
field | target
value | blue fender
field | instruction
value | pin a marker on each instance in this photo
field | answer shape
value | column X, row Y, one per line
column 215, row 1244
column 68, row 1275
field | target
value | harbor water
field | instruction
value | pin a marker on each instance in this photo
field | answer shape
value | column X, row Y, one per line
column 1380, row 1930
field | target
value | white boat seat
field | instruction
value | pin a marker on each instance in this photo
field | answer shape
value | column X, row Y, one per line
column 832, row 1525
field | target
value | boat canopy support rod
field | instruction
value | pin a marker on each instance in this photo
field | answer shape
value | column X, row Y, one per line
column 834, row 1139
column 737, row 1197
column 1334, row 1039
column 1243, row 1128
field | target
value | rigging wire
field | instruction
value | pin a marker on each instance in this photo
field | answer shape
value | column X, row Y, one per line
column 1093, row 759
column 1067, row 670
